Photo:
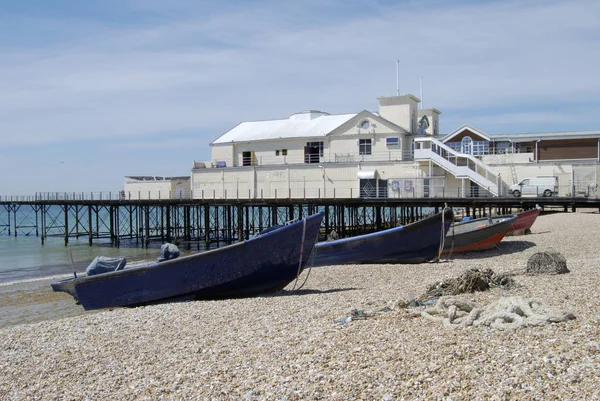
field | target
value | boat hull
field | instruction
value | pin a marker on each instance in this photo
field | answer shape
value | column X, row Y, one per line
column 524, row 221
column 262, row 264
column 477, row 235
column 413, row 243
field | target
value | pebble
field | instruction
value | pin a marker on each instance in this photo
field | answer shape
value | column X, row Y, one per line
column 288, row 346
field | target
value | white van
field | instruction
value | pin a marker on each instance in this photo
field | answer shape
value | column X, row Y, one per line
column 536, row 186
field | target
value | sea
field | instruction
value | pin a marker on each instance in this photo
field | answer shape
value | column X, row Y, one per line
column 25, row 258
column 27, row 268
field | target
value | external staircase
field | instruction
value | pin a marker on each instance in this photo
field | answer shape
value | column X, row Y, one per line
column 513, row 173
column 460, row 165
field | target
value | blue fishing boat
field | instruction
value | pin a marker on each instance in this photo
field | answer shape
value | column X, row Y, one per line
column 262, row 264
column 421, row 241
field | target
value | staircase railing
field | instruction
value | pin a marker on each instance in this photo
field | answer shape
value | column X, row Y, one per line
column 459, row 164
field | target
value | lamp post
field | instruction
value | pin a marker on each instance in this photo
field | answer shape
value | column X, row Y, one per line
column 323, row 173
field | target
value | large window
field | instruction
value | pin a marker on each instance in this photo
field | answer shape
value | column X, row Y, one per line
column 248, row 158
column 466, row 145
column 313, row 151
column 364, row 146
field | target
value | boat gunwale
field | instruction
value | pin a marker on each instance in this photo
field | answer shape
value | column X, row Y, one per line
column 393, row 230
column 135, row 269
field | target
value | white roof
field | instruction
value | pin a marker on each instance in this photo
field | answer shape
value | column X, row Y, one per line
column 301, row 125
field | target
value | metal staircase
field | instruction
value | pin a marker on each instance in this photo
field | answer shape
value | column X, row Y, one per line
column 513, row 173
column 460, row 165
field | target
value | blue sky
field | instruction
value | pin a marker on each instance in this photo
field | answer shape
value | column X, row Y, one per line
column 93, row 91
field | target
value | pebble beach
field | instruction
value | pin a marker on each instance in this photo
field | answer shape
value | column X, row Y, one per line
column 291, row 345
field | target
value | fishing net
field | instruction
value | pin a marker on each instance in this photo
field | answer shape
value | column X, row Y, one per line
column 546, row 263
column 505, row 314
column 469, row 281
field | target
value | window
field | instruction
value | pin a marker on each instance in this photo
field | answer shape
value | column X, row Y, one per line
column 364, row 124
column 277, row 152
column 282, row 152
column 364, row 146
column 248, row 158
column 392, row 142
column 466, row 145
column 313, row 151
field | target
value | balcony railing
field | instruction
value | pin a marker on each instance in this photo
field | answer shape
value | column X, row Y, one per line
column 390, row 155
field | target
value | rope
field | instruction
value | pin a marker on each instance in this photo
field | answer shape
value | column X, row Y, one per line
column 447, row 259
column 304, row 282
column 505, row 314
column 301, row 253
column 442, row 234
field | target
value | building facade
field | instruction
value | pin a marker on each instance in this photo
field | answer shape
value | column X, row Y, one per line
column 151, row 187
column 395, row 152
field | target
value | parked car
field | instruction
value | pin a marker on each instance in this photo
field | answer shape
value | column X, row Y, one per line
column 537, row 186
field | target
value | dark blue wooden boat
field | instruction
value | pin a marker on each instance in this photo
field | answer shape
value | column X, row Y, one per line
column 262, row 264
column 417, row 242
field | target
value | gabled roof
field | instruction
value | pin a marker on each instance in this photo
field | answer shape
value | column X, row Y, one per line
column 375, row 116
column 466, row 127
column 315, row 124
column 292, row 127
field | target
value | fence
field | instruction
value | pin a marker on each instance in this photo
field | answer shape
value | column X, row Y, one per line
column 400, row 187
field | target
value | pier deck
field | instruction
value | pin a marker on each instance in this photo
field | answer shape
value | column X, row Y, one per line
column 204, row 222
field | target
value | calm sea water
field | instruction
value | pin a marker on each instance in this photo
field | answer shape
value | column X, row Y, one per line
column 24, row 258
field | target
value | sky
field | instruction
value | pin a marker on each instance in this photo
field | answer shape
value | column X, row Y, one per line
column 93, row 91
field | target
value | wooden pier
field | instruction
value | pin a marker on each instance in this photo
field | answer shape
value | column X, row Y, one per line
column 205, row 223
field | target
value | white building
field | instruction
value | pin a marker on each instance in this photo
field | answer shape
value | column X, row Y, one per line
column 396, row 152
column 151, row 187
column 314, row 154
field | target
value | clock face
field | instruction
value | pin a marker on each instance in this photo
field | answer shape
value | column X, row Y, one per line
column 365, row 124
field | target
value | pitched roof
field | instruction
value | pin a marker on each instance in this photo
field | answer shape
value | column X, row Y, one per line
column 466, row 127
column 300, row 125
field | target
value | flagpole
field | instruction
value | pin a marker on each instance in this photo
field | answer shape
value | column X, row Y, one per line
column 397, row 77
column 421, row 93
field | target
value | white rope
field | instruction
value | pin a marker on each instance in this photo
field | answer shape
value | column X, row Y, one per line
column 507, row 313
column 442, row 234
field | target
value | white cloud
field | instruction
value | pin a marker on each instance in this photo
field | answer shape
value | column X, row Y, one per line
column 189, row 66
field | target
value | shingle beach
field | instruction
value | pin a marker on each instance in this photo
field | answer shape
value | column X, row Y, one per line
column 292, row 346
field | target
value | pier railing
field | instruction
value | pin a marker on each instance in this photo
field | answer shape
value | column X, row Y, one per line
column 395, row 189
